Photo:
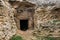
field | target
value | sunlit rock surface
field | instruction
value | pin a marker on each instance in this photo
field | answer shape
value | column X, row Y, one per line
column 7, row 24
column 46, row 19
column 46, row 2
column 47, row 22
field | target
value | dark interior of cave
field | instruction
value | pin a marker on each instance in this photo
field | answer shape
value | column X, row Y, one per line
column 23, row 25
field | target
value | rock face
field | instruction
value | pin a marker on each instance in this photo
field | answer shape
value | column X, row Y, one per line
column 7, row 24
column 46, row 19
column 45, row 2
column 47, row 22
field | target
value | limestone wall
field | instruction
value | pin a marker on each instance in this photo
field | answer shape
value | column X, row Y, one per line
column 7, row 24
column 47, row 22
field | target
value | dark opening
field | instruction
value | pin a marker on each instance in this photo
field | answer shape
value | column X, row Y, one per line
column 23, row 25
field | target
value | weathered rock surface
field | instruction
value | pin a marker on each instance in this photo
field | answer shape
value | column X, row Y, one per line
column 7, row 24
column 46, row 19
column 47, row 22
column 45, row 2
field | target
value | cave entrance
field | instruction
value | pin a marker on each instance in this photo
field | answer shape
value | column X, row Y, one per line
column 23, row 25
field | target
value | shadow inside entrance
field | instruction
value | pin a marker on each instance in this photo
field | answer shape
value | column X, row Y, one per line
column 23, row 25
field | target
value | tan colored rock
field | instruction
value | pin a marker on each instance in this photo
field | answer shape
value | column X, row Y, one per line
column 7, row 24
column 47, row 21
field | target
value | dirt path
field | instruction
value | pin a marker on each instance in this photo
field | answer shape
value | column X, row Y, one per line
column 27, row 35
